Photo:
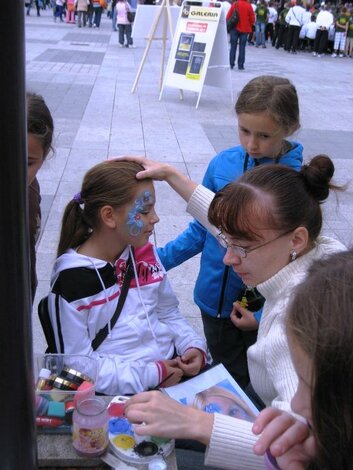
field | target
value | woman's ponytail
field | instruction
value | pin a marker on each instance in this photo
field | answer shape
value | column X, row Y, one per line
column 317, row 175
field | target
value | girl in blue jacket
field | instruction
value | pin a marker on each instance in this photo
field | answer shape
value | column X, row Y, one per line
column 268, row 113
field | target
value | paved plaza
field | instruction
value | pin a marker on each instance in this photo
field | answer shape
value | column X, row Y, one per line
column 86, row 80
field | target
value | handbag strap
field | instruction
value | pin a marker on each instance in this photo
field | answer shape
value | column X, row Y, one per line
column 103, row 332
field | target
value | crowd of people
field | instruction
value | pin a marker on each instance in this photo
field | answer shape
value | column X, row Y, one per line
column 89, row 13
column 291, row 25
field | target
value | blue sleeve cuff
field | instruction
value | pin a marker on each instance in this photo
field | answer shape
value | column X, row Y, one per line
column 257, row 315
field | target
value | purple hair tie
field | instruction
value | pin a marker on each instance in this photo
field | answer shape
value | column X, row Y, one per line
column 77, row 198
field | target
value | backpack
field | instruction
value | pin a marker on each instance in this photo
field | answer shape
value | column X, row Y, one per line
column 233, row 20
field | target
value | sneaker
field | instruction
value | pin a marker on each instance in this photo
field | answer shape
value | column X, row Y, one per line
column 294, row 52
column 333, row 55
column 314, row 54
column 319, row 55
column 341, row 55
column 126, row 45
column 121, row 45
column 263, row 46
column 241, row 67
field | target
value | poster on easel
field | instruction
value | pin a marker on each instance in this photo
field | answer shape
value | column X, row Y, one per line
column 199, row 52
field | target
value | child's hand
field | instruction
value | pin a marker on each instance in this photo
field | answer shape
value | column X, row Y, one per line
column 243, row 318
column 191, row 362
column 152, row 169
column 173, row 373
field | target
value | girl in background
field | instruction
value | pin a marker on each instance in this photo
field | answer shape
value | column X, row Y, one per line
column 151, row 343
column 268, row 113
column 40, row 129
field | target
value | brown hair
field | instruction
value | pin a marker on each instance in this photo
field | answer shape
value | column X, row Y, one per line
column 110, row 183
column 276, row 96
column 277, row 196
column 320, row 321
column 39, row 121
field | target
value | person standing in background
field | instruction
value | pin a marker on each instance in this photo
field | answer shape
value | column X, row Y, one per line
column 272, row 19
column 262, row 14
column 340, row 33
column 82, row 7
column 294, row 19
column 124, row 25
column 324, row 21
column 241, row 31
column 349, row 41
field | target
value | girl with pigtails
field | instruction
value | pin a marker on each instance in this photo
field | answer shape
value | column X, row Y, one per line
column 104, row 236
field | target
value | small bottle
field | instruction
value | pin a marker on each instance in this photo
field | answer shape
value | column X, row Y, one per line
column 90, row 427
column 42, row 381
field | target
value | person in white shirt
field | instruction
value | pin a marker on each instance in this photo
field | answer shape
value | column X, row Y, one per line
column 271, row 21
column 275, row 260
column 294, row 19
column 324, row 21
column 308, row 33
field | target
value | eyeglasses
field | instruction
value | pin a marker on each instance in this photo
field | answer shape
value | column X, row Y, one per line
column 239, row 250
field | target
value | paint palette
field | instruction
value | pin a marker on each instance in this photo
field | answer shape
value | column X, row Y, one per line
column 127, row 445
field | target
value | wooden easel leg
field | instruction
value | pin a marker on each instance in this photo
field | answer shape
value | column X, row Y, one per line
column 148, row 45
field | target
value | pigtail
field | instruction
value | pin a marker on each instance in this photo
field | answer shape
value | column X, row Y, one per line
column 74, row 228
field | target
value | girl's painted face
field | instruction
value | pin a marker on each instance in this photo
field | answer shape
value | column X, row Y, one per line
column 35, row 157
column 141, row 215
column 301, row 401
column 260, row 135
column 262, row 263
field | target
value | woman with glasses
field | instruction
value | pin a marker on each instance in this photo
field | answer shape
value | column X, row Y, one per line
column 270, row 221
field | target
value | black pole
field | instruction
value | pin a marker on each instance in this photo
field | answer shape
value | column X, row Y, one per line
column 18, row 437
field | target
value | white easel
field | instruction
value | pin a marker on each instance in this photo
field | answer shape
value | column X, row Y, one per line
column 164, row 14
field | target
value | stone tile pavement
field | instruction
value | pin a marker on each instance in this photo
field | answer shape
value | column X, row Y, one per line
column 86, row 80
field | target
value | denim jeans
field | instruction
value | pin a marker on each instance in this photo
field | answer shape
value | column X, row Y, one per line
column 97, row 16
column 125, row 29
column 260, row 33
column 236, row 36
column 114, row 20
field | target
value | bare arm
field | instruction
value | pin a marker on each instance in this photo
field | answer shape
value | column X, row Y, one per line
column 163, row 172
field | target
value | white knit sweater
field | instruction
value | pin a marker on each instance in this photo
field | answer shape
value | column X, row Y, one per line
column 270, row 366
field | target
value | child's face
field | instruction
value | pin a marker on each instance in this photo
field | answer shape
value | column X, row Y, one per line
column 260, row 135
column 301, row 401
column 140, row 216
column 35, row 156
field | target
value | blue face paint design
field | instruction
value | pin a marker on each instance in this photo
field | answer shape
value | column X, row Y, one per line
column 140, row 206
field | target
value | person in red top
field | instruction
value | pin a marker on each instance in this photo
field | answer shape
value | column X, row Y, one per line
column 240, row 31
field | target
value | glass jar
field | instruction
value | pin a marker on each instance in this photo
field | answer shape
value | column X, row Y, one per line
column 90, row 427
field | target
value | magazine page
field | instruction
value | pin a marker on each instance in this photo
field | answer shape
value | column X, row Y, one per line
column 214, row 391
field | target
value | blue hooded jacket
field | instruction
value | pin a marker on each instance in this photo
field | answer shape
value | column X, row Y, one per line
column 217, row 286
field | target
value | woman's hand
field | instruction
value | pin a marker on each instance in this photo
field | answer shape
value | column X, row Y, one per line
column 162, row 416
column 191, row 362
column 243, row 318
column 162, row 172
column 288, row 439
